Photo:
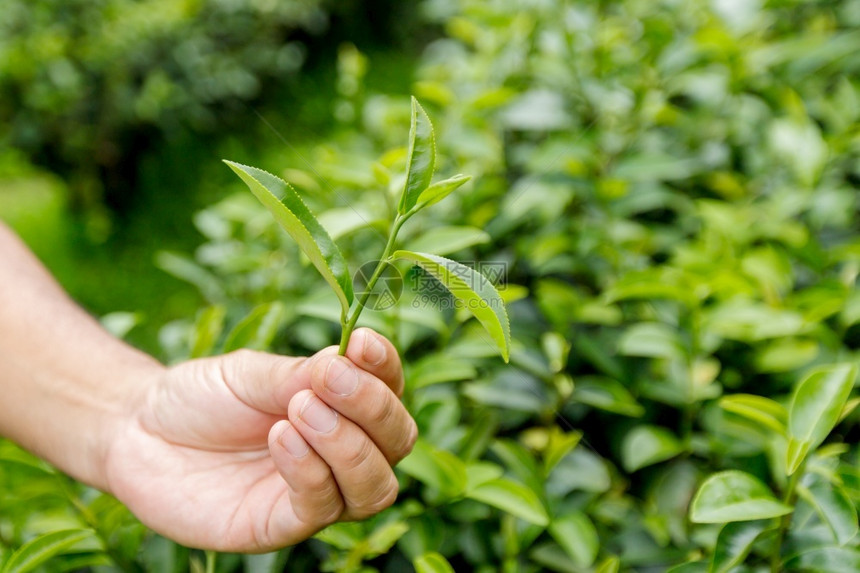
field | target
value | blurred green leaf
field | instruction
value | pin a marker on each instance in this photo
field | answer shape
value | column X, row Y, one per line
column 607, row 394
column 187, row 270
column 38, row 551
column 432, row 563
column 120, row 323
column 734, row 496
column 383, row 538
column 815, row 407
column 513, row 498
column 834, row 507
column 577, row 536
column 759, row 409
column 435, row 467
column 783, row 355
column 648, row 445
column 440, row 368
column 447, row 239
column 734, row 543
column 207, row 328
column 559, row 444
column 478, row 473
column 256, row 330
column 609, row 565
column 342, row 221
column 650, row 339
column 825, row 560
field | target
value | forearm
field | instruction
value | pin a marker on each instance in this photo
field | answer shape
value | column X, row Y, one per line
column 64, row 381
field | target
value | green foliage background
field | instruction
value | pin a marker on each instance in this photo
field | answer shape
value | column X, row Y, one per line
column 672, row 186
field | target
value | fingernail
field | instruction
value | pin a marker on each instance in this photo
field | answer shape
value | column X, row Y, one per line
column 318, row 416
column 293, row 442
column 374, row 350
column 340, row 378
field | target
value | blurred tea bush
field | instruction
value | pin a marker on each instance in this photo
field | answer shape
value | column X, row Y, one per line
column 87, row 87
column 671, row 188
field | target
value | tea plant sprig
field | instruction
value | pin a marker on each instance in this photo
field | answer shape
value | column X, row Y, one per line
column 472, row 289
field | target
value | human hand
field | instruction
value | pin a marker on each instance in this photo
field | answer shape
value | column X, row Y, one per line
column 207, row 458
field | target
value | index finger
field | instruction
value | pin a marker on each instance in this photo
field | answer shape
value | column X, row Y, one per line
column 375, row 354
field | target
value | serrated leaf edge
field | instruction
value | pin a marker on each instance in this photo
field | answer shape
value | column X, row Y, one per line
column 345, row 300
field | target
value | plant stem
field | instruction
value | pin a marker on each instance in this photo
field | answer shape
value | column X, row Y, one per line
column 347, row 326
column 788, row 498
column 211, row 558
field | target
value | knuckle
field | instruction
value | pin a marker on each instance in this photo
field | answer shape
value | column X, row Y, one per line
column 358, row 455
column 330, row 511
column 318, row 482
column 318, row 513
column 381, row 411
column 383, row 498
column 409, row 442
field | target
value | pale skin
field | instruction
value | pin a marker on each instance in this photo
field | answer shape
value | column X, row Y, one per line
column 244, row 452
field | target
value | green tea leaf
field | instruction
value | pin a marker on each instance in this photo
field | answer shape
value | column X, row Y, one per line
column 734, row 543
column 647, row 445
column 577, row 536
column 383, row 538
column 256, row 330
column 440, row 190
column 559, row 444
column 521, row 461
column 849, row 407
column 479, row 435
column 437, row 468
column 611, row 564
column 342, row 221
column 825, row 560
column 120, row 323
column 734, row 496
column 207, row 329
column 607, row 394
column 834, row 507
column 343, row 535
column 448, row 239
column 786, row 354
column 759, row 409
column 815, row 407
column 421, row 159
column 36, row 552
column 476, row 293
column 513, row 498
column 295, row 218
column 478, row 473
column 651, row 339
column 432, row 563
column 440, row 368
column 187, row 270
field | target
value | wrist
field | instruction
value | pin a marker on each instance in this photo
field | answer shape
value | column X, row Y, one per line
column 106, row 416
column 126, row 402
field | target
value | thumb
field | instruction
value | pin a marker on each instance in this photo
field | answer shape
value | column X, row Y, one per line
column 267, row 382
